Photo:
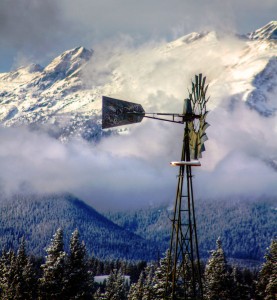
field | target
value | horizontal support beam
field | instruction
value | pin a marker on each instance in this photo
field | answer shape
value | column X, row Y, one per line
column 194, row 163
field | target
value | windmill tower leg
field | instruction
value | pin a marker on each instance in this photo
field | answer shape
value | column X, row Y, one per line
column 184, row 274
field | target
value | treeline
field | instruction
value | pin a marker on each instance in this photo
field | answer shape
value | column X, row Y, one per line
column 71, row 275
column 220, row 280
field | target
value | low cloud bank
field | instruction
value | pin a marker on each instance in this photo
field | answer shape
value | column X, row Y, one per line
column 133, row 170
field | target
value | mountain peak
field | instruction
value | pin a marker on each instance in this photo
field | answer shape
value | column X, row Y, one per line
column 32, row 68
column 79, row 52
column 69, row 61
column 267, row 32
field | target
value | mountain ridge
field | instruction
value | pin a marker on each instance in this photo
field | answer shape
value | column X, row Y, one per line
column 38, row 217
column 267, row 32
column 58, row 93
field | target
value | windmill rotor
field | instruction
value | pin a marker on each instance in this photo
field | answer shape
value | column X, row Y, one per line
column 197, row 127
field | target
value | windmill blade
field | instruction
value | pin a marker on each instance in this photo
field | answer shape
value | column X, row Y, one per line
column 117, row 112
column 205, row 126
column 196, row 87
column 187, row 107
column 200, row 79
column 203, row 138
column 204, row 80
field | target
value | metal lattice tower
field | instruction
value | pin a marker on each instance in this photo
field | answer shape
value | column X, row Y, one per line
column 183, row 271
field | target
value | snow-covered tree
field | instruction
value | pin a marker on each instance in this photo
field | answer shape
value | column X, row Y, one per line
column 136, row 289
column 98, row 295
column 20, row 263
column 162, row 284
column 17, row 275
column 148, row 292
column 116, row 288
column 24, row 280
column 52, row 282
column 3, row 271
column 235, row 285
column 8, row 263
column 217, row 276
column 79, row 280
column 184, row 286
column 267, row 280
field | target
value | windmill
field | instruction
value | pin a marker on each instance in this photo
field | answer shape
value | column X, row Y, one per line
column 183, row 272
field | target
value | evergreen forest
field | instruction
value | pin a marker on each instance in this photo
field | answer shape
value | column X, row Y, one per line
column 73, row 274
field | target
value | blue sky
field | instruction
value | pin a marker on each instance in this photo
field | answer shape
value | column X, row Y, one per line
column 38, row 30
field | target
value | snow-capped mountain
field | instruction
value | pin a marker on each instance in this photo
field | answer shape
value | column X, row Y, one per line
column 65, row 96
column 53, row 95
column 268, row 32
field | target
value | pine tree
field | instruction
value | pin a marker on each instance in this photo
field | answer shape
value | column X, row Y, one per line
column 30, row 280
column 3, row 271
column 8, row 273
column 136, row 289
column 20, row 263
column 160, row 288
column 217, row 277
column 148, row 292
column 24, row 281
column 79, row 280
column 116, row 288
column 184, row 286
column 17, row 275
column 98, row 295
column 248, row 282
column 235, row 285
column 267, row 280
column 52, row 283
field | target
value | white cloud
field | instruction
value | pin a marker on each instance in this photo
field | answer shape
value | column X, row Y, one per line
column 35, row 162
column 132, row 170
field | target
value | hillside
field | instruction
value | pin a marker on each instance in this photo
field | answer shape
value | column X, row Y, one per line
column 38, row 218
column 245, row 226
